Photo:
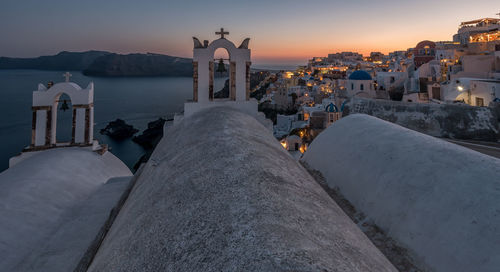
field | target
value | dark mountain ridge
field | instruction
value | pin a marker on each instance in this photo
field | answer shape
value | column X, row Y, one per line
column 72, row 61
column 139, row 65
column 102, row 63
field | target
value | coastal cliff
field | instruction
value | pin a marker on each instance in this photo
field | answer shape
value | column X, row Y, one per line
column 102, row 63
column 70, row 61
column 139, row 65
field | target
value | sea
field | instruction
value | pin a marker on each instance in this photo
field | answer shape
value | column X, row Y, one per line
column 137, row 100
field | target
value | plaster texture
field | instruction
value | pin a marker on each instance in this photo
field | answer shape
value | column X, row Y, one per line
column 221, row 194
column 38, row 196
column 437, row 199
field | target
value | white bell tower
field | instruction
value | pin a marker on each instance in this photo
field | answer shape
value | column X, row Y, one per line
column 203, row 76
column 45, row 101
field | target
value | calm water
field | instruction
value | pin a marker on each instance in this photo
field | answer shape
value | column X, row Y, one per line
column 135, row 100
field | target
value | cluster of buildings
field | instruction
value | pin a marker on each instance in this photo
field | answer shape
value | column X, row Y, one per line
column 465, row 70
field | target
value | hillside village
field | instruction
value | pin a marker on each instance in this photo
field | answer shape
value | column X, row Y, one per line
column 449, row 76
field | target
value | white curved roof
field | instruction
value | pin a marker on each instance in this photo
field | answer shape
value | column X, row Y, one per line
column 221, row 194
column 36, row 193
column 436, row 198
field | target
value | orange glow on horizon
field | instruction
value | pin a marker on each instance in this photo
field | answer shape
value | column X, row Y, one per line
column 290, row 48
column 282, row 32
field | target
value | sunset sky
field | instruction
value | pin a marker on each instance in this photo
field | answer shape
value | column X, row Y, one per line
column 281, row 32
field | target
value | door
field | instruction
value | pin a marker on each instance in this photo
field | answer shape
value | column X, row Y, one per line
column 436, row 93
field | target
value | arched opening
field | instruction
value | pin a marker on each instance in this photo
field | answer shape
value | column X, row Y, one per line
column 362, row 86
column 63, row 118
column 221, row 74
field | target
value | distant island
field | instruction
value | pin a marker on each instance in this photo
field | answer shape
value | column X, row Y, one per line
column 105, row 64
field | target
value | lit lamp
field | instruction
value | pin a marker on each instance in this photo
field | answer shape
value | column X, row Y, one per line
column 283, row 143
column 460, row 88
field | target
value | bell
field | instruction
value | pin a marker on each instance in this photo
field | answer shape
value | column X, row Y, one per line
column 64, row 106
column 221, row 68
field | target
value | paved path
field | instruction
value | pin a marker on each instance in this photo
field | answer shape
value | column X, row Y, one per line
column 488, row 148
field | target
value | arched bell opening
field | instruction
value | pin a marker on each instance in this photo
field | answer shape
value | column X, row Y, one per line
column 63, row 116
column 221, row 69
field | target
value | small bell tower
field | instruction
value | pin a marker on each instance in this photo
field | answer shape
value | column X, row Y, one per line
column 203, row 72
column 45, row 107
column 239, row 79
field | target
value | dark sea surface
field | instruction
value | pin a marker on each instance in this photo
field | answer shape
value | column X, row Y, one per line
column 135, row 100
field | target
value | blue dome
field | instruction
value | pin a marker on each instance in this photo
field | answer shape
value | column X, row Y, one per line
column 331, row 108
column 360, row 75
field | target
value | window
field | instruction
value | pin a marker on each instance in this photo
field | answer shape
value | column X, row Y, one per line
column 361, row 87
column 352, row 86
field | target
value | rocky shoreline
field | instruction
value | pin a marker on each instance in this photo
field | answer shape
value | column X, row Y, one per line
column 149, row 138
column 119, row 130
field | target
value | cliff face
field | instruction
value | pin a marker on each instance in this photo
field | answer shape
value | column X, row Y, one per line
column 439, row 120
column 139, row 65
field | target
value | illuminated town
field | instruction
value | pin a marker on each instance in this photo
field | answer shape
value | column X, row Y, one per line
column 464, row 70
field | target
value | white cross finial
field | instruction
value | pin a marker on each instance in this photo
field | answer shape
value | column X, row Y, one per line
column 67, row 75
column 221, row 33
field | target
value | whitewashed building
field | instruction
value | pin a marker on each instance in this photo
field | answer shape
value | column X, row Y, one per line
column 360, row 83
column 473, row 91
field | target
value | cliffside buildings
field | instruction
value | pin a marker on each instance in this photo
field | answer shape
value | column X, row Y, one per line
column 465, row 70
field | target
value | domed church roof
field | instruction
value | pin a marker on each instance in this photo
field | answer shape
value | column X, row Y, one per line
column 360, row 75
column 331, row 108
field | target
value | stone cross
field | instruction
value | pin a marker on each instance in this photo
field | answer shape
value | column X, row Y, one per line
column 221, row 33
column 67, row 75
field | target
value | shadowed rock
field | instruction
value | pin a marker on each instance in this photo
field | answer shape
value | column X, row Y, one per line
column 152, row 135
column 119, row 130
column 149, row 139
